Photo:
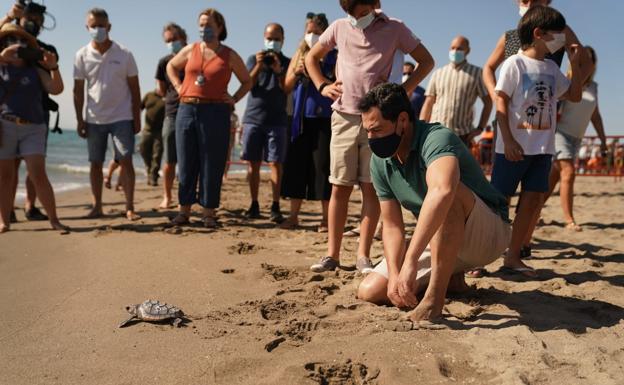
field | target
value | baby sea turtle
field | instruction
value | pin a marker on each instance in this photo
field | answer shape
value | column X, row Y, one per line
column 154, row 311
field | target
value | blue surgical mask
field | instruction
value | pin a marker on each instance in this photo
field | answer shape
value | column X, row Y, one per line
column 174, row 46
column 98, row 34
column 457, row 56
column 206, row 34
column 362, row 22
column 386, row 146
column 273, row 45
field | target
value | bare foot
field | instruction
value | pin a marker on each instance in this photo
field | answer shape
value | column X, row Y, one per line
column 426, row 310
column 289, row 224
column 107, row 183
column 132, row 216
column 94, row 214
column 4, row 228
column 56, row 225
column 322, row 228
column 573, row 226
column 165, row 204
column 118, row 187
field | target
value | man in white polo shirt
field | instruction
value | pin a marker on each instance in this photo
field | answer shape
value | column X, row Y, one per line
column 113, row 106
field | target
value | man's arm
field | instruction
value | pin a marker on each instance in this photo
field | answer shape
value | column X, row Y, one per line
column 79, row 85
column 442, row 179
column 332, row 90
column 579, row 74
column 135, row 92
column 485, row 114
column 394, row 245
column 161, row 88
column 425, row 64
column 425, row 112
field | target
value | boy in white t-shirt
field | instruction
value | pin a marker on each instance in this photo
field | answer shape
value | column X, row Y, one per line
column 528, row 90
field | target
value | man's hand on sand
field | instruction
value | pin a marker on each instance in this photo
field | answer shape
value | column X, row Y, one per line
column 393, row 292
column 407, row 286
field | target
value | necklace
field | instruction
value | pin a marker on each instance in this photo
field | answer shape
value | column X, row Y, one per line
column 201, row 80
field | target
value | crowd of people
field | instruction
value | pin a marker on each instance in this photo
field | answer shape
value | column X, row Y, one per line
column 346, row 110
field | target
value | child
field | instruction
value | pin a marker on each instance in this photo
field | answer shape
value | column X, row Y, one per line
column 528, row 90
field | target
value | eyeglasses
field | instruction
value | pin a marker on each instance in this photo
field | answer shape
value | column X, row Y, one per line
column 311, row 15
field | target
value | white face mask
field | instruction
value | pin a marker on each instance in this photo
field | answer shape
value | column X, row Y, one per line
column 362, row 22
column 523, row 10
column 404, row 78
column 311, row 39
column 558, row 41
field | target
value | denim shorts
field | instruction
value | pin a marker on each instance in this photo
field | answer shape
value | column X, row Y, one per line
column 264, row 142
column 566, row 146
column 122, row 134
column 22, row 140
column 532, row 171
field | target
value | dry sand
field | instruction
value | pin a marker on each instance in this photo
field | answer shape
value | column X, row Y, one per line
column 257, row 316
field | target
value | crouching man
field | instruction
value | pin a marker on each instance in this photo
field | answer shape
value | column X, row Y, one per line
column 462, row 221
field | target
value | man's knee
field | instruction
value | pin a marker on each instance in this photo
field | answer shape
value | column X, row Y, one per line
column 373, row 289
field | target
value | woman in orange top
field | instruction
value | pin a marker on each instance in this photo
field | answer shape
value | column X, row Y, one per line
column 203, row 119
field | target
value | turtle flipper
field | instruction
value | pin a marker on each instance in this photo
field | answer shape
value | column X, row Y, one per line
column 126, row 321
column 177, row 322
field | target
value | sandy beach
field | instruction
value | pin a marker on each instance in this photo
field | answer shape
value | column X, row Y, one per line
column 256, row 315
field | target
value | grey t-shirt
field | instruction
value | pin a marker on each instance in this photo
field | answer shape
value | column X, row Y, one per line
column 266, row 103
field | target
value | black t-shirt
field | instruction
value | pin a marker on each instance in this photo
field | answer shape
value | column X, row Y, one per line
column 266, row 103
column 171, row 96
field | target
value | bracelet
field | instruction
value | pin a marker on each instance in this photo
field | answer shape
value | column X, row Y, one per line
column 320, row 89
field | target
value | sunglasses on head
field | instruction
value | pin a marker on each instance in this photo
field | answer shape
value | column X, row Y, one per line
column 311, row 15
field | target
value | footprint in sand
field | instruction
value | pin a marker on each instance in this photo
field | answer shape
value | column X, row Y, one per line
column 341, row 373
column 244, row 248
column 278, row 273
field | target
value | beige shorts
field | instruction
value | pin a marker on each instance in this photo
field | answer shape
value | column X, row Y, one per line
column 486, row 237
column 349, row 152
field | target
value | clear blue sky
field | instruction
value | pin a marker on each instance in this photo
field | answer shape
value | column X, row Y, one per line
column 137, row 24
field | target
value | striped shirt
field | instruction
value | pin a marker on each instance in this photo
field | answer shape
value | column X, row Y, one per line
column 456, row 90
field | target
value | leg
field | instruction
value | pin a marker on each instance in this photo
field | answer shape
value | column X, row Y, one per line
column 531, row 203
column 276, row 155
column 36, row 169
column 170, row 159
column 7, row 176
column 123, row 146
column 145, row 149
column 338, row 210
column 97, row 179
column 97, row 141
column 293, row 216
column 187, row 150
column 252, row 149
column 369, row 219
column 157, row 152
column 128, row 178
column 566, row 191
column 112, row 166
column 31, row 195
column 253, row 175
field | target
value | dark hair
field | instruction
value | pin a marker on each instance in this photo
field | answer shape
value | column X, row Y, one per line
column 320, row 20
column 175, row 28
column 409, row 63
column 390, row 98
column 98, row 12
column 349, row 5
column 276, row 25
column 218, row 18
column 544, row 18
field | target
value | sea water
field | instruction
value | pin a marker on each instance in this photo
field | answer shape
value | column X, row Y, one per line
column 67, row 163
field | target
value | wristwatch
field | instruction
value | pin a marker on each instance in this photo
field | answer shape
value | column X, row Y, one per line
column 322, row 86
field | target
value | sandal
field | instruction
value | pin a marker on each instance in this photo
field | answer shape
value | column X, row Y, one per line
column 181, row 219
column 527, row 272
column 209, row 222
column 573, row 226
column 323, row 228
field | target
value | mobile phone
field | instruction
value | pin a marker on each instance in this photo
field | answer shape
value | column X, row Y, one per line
column 30, row 54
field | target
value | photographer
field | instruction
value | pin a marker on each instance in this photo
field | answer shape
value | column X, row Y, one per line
column 265, row 120
column 25, row 72
column 31, row 17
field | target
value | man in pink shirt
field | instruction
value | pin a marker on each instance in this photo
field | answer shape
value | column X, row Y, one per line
column 366, row 41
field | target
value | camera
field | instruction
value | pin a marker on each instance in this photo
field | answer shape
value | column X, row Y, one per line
column 269, row 57
column 30, row 55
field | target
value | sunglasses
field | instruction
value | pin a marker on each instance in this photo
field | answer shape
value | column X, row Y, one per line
column 311, row 15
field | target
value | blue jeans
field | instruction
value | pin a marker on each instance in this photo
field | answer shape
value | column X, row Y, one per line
column 202, row 138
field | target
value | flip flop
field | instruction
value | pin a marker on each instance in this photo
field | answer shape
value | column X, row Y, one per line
column 209, row 222
column 289, row 224
column 351, row 233
column 573, row 226
column 180, row 220
column 518, row 271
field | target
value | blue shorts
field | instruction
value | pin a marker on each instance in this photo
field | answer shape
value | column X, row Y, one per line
column 264, row 142
column 532, row 171
column 123, row 140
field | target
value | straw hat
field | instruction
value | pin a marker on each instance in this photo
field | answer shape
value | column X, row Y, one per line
column 16, row 30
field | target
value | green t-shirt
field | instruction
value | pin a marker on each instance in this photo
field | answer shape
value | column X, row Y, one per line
column 154, row 107
column 407, row 184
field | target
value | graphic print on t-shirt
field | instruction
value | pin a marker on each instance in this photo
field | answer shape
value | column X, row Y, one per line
column 537, row 111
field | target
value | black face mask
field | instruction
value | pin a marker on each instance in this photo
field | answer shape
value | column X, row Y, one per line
column 32, row 28
column 386, row 146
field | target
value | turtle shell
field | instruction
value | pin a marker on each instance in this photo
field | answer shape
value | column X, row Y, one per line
column 152, row 310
